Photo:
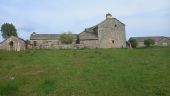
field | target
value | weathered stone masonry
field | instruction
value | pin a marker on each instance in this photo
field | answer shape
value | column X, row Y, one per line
column 110, row 33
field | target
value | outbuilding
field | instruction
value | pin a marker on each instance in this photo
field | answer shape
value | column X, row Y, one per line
column 13, row 44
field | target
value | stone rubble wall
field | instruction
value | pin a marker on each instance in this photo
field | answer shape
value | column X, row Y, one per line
column 67, row 46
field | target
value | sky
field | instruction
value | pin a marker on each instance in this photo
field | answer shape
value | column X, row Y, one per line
column 142, row 17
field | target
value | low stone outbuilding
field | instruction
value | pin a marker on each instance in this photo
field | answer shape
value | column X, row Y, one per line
column 48, row 40
column 159, row 40
column 13, row 44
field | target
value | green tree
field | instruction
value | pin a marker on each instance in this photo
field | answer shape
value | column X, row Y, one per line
column 149, row 42
column 66, row 38
column 133, row 42
column 8, row 30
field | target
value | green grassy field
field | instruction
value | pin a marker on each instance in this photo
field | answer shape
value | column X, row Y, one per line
column 95, row 72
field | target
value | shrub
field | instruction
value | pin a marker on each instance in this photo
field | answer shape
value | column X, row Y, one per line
column 67, row 38
column 133, row 42
column 149, row 42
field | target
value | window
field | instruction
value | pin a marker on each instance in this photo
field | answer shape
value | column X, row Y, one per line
column 113, row 41
column 115, row 25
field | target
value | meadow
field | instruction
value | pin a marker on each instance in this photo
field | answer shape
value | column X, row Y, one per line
column 86, row 72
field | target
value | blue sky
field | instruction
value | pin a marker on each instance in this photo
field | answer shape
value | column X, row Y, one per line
column 142, row 17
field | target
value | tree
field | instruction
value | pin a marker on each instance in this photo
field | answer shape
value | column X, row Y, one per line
column 149, row 42
column 133, row 42
column 66, row 38
column 8, row 30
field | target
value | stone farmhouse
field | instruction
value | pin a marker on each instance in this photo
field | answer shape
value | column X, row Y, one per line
column 13, row 44
column 159, row 40
column 110, row 33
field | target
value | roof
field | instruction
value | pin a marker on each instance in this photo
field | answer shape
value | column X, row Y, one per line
column 47, row 36
column 89, row 34
column 12, row 37
column 155, row 38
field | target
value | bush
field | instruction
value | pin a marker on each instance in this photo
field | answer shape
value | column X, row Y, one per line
column 67, row 38
column 149, row 42
column 133, row 42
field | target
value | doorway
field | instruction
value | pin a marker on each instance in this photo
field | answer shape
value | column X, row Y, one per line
column 11, row 46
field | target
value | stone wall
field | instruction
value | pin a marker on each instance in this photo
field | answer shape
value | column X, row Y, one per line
column 111, row 34
column 140, row 44
column 46, row 43
column 67, row 46
column 41, row 43
column 90, row 43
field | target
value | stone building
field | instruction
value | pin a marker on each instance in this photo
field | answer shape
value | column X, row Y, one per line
column 47, row 40
column 110, row 33
column 13, row 44
column 159, row 40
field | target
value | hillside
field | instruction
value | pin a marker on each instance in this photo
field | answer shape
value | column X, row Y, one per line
column 86, row 72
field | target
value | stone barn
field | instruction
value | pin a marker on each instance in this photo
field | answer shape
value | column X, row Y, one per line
column 159, row 40
column 110, row 33
column 48, row 40
column 13, row 44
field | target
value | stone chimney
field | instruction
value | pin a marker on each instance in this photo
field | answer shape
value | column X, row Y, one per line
column 109, row 16
column 33, row 33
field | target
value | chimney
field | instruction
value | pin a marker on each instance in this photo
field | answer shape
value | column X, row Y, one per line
column 109, row 16
column 33, row 33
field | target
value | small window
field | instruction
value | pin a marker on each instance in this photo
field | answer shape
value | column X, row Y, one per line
column 113, row 41
column 115, row 25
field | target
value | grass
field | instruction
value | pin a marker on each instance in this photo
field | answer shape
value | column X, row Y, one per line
column 95, row 72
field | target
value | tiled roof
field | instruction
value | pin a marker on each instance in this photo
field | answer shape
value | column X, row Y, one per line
column 12, row 37
column 88, row 36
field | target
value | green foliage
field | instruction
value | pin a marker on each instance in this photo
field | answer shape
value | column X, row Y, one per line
column 133, row 42
column 67, row 38
column 149, row 42
column 86, row 72
column 8, row 30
